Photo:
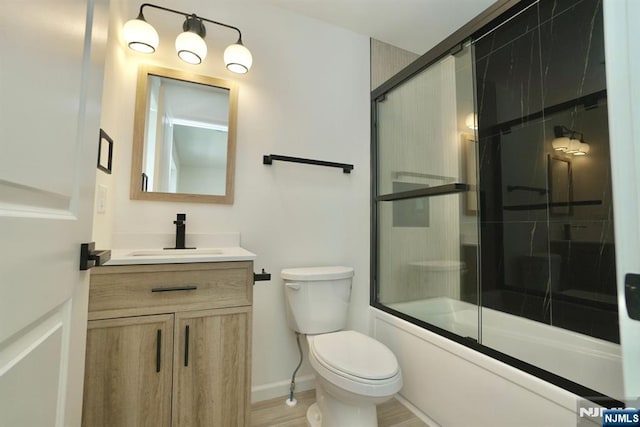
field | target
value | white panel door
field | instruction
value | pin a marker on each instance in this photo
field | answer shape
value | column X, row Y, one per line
column 622, row 34
column 51, row 65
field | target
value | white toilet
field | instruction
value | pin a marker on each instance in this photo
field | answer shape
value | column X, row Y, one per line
column 354, row 372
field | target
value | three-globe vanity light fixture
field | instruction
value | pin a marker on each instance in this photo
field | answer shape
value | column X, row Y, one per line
column 190, row 45
column 569, row 141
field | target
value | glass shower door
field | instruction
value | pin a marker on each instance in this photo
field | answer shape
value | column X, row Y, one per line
column 425, row 203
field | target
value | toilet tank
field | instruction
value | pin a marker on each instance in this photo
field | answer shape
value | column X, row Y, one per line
column 317, row 298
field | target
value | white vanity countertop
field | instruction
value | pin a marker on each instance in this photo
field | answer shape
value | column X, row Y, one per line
column 179, row 256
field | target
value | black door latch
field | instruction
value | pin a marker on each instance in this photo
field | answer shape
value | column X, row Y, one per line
column 90, row 257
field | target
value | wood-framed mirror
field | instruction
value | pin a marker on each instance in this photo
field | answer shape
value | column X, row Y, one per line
column 560, row 186
column 184, row 137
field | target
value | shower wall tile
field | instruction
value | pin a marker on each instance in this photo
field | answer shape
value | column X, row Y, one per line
column 572, row 50
column 513, row 175
column 524, row 173
column 509, row 82
column 549, row 263
column 585, row 319
column 587, row 270
column 495, row 39
column 526, row 258
column 386, row 61
column 551, row 9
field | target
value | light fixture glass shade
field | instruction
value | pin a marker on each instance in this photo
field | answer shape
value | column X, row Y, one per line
column 237, row 58
column 191, row 47
column 583, row 149
column 140, row 35
column 560, row 144
column 574, row 146
column 471, row 121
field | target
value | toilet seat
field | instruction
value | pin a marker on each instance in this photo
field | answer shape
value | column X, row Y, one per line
column 355, row 354
column 355, row 362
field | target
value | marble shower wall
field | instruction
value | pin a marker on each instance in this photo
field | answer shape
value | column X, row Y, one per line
column 547, row 245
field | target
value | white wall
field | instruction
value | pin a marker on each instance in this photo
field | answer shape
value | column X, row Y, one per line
column 111, row 116
column 307, row 95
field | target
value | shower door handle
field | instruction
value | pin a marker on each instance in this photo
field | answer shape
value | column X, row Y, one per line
column 632, row 295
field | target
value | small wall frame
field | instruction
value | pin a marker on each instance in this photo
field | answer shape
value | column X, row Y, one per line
column 105, row 152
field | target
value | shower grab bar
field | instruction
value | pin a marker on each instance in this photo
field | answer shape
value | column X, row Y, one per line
column 541, row 206
column 268, row 159
column 400, row 174
column 439, row 190
column 511, row 188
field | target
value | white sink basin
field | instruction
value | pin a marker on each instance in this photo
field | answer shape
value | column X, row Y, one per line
column 179, row 256
column 177, row 252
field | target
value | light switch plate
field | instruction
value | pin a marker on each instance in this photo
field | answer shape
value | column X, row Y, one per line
column 101, row 199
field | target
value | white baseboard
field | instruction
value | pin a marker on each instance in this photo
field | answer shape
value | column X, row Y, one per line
column 417, row 412
column 281, row 388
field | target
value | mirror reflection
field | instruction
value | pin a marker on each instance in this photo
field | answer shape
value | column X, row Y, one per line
column 184, row 139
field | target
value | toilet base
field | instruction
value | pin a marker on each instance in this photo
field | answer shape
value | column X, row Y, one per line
column 331, row 412
column 314, row 417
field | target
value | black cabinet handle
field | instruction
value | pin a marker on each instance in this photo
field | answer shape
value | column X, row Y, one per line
column 175, row 288
column 186, row 345
column 158, row 349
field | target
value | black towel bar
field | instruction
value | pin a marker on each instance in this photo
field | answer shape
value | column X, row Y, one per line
column 268, row 159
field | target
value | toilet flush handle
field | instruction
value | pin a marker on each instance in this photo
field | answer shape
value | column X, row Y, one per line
column 294, row 286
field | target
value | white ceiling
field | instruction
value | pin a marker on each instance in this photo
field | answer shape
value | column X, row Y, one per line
column 414, row 25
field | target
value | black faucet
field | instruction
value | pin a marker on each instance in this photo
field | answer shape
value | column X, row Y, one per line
column 180, row 230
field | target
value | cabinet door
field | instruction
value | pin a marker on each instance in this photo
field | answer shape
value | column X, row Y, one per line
column 212, row 368
column 128, row 372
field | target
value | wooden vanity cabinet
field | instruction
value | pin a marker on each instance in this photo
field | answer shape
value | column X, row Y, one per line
column 128, row 372
column 210, row 381
column 169, row 345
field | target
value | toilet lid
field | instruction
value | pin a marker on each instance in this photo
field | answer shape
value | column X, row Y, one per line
column 356, row 354
column 317, row 273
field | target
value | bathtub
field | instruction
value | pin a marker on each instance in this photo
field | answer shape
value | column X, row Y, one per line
column 449, row 384
column 588, row 361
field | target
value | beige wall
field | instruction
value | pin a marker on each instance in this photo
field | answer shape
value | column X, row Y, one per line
column 387, row 60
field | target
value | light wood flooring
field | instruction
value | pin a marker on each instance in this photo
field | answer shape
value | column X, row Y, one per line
column 275, row 413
